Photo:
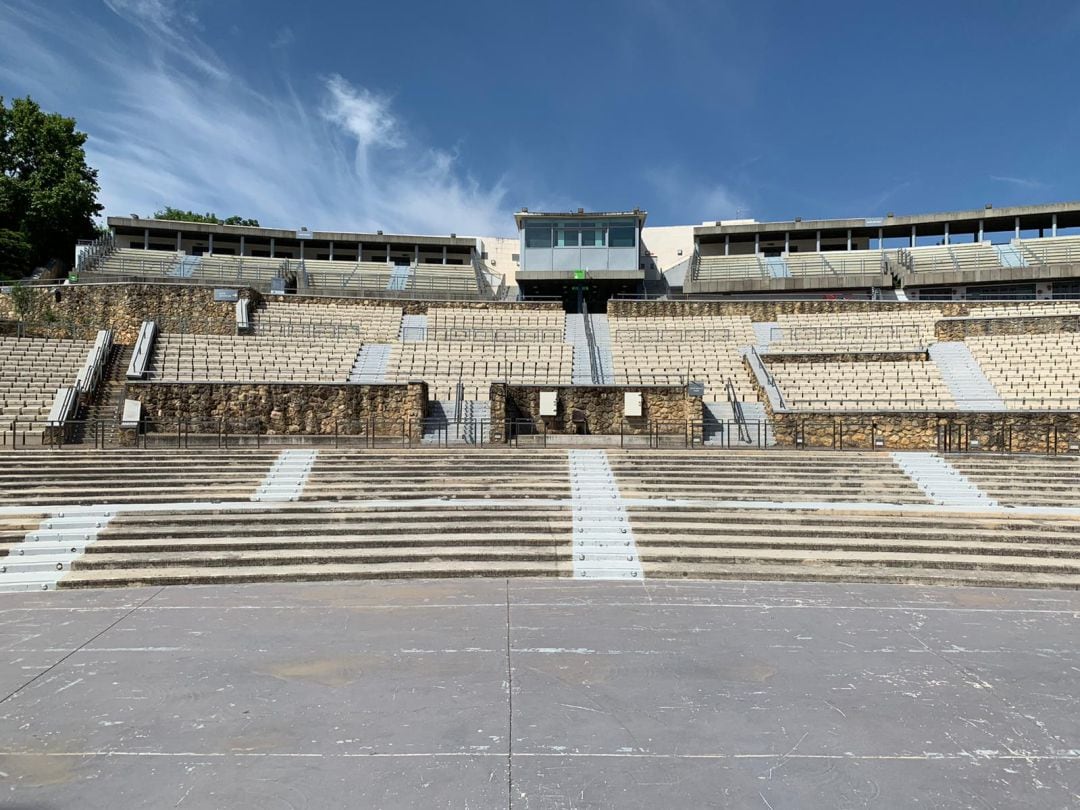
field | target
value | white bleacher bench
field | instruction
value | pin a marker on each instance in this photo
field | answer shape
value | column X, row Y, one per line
column 140, row 355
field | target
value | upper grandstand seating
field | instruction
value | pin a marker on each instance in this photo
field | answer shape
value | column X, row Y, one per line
column 1051, row 250
column 172, row 264
column 826, row 263
column 880, row 331
column 958, row 257
column 1031, row 372
column 899, row 385
column 676, row 350
column 454, row 280
column 32, row 370
column 230, row 358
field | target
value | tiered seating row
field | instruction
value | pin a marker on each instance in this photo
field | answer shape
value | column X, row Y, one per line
column 903, row 385
column 182, row 358
column 1032, row 372
column 365, row 323
column 887, row 330
column 31, row 371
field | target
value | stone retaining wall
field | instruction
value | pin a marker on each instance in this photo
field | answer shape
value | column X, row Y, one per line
column 1036, row 432
column 771, row 359
column 768, row 310
column 282, row 408
column 961, row 328
column 593, row 409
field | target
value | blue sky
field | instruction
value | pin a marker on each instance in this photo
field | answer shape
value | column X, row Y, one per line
column 437, row 117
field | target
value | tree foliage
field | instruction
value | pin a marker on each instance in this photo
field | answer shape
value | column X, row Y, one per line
column 47, row 192
column 15, row 254
column 177, row 215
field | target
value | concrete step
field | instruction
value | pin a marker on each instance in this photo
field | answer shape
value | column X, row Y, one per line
column 913, row 575
column 298, row 573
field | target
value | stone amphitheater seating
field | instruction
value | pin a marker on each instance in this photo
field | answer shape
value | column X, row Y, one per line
column 883, row 331
column 490, row 513
column 367, row 324
column 900, row 385
column 450, row 279
column 673, row 350
column 451, row 318
column 32, row 370
column 838, row 546
column 1031, row 372
column 1026, row 308
column 124, row 476
column 180, row 357
column 1051, row 249
column 955, row 258
column 771, row 475
column 1024, row 480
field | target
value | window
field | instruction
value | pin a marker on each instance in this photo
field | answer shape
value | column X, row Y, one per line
column 538, row 236
column 567, row 235
column 621, row 234
column 592, row 234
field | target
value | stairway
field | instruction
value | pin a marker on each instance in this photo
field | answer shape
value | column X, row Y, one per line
column 777, row 267
column 413, row 328
column 104, row 410
column 445, row 425
column 369, row 368
column 576, row 337
column 400, row 275
column 1010, row 256
column 605, row 371
column 763, row 334
column 965, row 378
column 942, row 482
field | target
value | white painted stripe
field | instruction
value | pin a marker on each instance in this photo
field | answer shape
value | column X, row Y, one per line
column 44, row 555
column 287, row 477
column 941, row 481
column 603, row 544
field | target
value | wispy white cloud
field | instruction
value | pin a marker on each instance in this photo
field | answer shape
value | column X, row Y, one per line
column 693, row 199
column 1020, row 182
column 284, row 38
column 172, row 125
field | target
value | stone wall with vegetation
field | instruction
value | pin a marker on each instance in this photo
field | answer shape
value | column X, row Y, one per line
column 774, row 359
column 593, row 409
column 281, row 408
column 80, row 310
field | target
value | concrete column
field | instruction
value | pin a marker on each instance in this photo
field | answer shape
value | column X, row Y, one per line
column 388, row 253
column 241, row 244
column 1053, row 224
column 444, row 254
column 913, row 236
column 980, row 230
column 849, row 238
column 359, row 251
column 178, row 242
column 146, row 239
column 757, row 244
column 301, row 250
column 946, row 233
column 880, row 238
column 331, row 250
column 727, row 244
column 817, row 244
column 211, row 244
column 271, row 247
column 1016, row 226
column 787, row 242
column 416, row 254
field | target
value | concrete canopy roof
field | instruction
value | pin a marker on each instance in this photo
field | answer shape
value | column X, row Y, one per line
column 203, row 228
column 994, row 219
column 637, row 214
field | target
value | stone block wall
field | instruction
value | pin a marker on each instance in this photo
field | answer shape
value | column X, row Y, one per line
column 769, row 309
column 281, row 408
column 80, row 310
column 1028, row 432
column 592, row 409
column 961, row 328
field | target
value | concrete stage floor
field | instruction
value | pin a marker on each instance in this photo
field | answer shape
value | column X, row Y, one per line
column 540, row 694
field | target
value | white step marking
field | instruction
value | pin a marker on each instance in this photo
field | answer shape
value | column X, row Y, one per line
column 943, row 482
column 46, row 554
column 287, row 477
column 603, row 540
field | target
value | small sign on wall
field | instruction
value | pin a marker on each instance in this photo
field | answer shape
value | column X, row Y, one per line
column 632, row 403
column 229, row 296
column 549, row 403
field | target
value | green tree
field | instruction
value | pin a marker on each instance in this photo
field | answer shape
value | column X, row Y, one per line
column 175, row 214
column 47, row 192
column 15, row 252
